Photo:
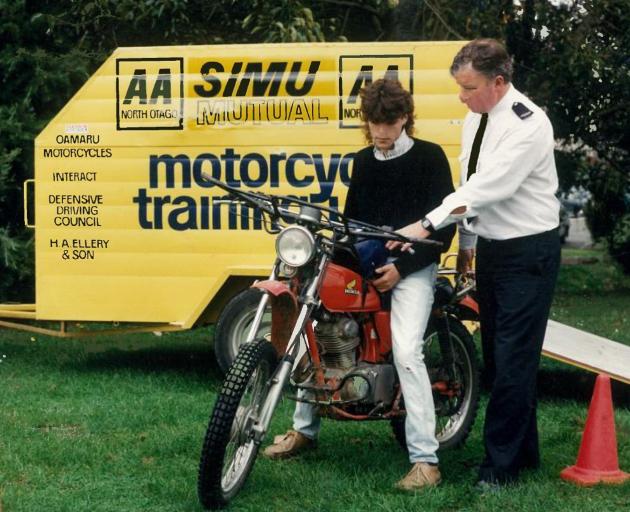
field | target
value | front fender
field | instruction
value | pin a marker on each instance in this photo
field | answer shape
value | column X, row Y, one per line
column 284, row 312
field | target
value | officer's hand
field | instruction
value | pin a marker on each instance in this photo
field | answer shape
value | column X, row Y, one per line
column 414, row 230
column 388, row 278
column 465, row 260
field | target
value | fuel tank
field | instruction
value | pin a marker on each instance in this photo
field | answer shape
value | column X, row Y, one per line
column 345, row 290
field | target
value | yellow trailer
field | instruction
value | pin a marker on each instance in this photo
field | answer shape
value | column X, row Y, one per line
column 126, row 229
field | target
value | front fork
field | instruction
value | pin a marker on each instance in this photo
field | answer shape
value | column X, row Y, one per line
column 281, row 376
column 261, row 309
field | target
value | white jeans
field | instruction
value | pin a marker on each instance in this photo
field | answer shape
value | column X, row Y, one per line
column 412, row 299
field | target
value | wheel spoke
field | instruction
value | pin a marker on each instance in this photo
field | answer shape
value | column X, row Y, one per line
column 452, row 369
column 451, row 409
column 229, row 447
column 240, row 446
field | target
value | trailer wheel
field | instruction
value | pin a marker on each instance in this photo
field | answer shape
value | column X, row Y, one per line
column 233, row 326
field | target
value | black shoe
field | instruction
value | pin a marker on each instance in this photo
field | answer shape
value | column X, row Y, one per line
column 530, row 462
column 490, row 477
column 531, row 465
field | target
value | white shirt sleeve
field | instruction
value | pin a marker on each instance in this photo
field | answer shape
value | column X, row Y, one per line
column 504, row 169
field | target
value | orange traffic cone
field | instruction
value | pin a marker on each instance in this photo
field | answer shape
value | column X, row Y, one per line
column 597, row 459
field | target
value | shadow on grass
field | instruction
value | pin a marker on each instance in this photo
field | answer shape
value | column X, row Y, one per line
column 553, row 383
column 577, row 385
column 194, row 361
column 185, row 353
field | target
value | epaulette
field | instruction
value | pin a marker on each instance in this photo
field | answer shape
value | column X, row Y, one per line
column 521, row 110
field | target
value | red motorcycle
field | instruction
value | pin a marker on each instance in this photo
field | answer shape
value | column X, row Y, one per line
column 326, row 333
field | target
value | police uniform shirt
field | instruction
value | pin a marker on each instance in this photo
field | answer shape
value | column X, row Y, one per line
column 512, row 192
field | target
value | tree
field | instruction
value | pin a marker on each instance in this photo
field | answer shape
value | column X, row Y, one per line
column 34, row 66
column 572, row 58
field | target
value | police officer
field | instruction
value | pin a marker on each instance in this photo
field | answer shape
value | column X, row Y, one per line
column 507, row 206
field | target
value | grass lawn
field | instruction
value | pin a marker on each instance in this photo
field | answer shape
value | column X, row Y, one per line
column 116, row 424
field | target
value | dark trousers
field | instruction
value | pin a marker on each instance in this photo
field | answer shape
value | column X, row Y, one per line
column 515, row 283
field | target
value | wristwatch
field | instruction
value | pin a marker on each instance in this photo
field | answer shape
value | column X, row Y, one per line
column 426, row 224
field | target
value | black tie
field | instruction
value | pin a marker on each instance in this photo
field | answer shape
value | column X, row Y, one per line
column 474, row 154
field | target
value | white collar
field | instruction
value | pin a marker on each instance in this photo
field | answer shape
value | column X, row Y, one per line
column 401, row 145
column 505, row 102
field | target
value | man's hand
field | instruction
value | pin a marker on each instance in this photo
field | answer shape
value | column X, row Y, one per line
column 388, row 279
column 414, row 230
column 465, row 260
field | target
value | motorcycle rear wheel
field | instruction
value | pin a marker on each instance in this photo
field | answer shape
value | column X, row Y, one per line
column 455, row 414
column 229, row 450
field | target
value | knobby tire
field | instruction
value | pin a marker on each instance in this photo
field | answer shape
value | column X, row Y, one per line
column 258, row 355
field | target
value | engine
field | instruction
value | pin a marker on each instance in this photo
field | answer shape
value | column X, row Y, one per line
column 338, row 338
column 367, row 384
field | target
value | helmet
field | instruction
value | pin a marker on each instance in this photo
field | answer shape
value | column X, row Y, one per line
column 372, row 255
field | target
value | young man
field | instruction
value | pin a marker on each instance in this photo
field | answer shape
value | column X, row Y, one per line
column 395, row 179
column 509, row 206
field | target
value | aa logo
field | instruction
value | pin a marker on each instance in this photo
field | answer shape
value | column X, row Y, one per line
column 150, row 94
column 357, row 71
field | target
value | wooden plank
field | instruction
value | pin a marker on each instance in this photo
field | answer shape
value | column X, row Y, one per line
column 588, row 351
column 62, row 332
column 17, row 307
column 16, row 313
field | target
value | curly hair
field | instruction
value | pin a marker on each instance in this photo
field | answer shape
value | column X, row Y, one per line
column 385, row 101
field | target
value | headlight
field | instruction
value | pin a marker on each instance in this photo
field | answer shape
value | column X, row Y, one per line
column 295, row 246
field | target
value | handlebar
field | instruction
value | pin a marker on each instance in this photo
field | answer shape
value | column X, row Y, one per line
column 271, row 205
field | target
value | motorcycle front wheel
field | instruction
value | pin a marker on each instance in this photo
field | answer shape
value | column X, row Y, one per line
column 455, row 382
column 229, row 449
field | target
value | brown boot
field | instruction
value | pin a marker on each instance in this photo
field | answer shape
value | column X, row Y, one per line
column 421, row 475
column 288, row 445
